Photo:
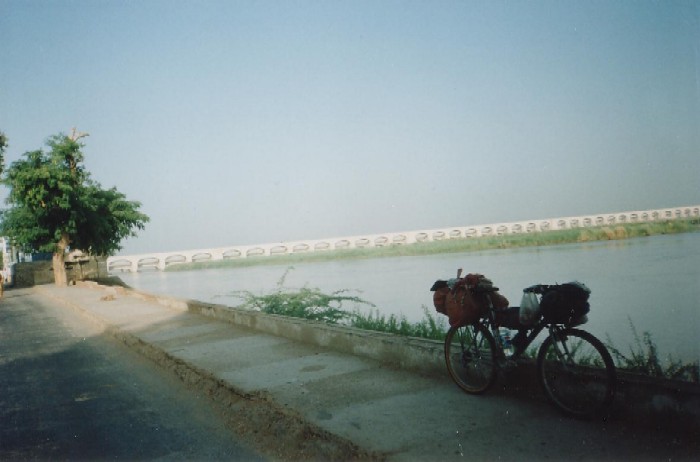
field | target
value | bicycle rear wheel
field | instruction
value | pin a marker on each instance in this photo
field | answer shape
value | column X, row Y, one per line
column 577, row 373
column 470, row 354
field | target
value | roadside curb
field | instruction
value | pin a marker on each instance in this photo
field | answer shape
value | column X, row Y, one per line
column 422, row 356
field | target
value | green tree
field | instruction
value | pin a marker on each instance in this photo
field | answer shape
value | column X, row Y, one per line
column 55, row 205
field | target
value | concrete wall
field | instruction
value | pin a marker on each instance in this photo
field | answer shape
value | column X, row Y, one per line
column 33, row 273
column 41, row 272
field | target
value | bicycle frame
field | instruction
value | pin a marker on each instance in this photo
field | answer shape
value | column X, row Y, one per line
column 532, row 331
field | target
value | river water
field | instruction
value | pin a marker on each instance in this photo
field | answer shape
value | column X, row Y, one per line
column 652, row 283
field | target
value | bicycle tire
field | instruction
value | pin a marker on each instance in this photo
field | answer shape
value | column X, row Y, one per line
column 577, row 373
column 470, row 354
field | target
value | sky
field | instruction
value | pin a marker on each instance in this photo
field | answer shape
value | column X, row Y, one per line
column 246, row 122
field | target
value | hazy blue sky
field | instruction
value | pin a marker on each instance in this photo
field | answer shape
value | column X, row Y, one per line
column 242, row 122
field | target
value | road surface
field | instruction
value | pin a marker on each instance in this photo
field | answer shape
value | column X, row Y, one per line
column 69, row 392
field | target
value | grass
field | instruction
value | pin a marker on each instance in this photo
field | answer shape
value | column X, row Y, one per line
column 429, row 327
column 507, row 241
column 643, row 358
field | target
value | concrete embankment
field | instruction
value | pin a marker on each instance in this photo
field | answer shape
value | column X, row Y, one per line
column 638, row 397
column 357, row 394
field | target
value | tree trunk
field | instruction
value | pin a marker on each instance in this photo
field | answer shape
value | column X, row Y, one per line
column 59, row 262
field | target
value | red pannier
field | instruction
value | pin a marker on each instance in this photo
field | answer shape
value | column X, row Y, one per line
column 464, row 300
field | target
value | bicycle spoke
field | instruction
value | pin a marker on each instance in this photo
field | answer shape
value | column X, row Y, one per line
column 469, row 353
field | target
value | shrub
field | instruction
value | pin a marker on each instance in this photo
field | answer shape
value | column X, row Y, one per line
column 643, row 358
column 304, row 303
column 313, row 304
column 620, row 232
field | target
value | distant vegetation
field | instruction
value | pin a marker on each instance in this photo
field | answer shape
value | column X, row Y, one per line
column 506, row 241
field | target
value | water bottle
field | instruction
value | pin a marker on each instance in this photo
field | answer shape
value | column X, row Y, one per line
column 506, row 342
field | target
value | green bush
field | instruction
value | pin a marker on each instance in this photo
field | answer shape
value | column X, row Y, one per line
column 306, row 303
column 314, row 305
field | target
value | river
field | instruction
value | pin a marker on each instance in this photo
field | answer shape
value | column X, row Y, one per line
column 652, row 283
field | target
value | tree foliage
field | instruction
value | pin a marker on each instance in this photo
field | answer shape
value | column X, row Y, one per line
column 54, row 203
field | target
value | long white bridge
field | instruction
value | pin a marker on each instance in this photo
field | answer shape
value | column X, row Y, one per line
column 160, row 261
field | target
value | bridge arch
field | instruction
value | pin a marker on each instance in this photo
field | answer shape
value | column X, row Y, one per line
column 279, row 250
column 231, row 254
column 342, row 244
column 362, row 243
column 201, row 256
column 299, row 248
column 120, row 264
column 174, row 260
column 322, row 246
column 148, row 263
column 255, row 252
column 381, row 241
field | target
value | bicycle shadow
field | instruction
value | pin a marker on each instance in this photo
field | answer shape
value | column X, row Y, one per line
column 521, row 383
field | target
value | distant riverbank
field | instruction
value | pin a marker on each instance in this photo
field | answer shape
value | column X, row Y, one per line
column 505, row 241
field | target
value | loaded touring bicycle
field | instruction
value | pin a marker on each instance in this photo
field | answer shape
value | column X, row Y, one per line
column 574, row 368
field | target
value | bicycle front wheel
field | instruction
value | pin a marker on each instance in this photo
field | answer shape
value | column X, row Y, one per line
column 470, row 354
column 577, row 373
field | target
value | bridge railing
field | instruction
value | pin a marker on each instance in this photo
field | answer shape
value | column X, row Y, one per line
column 162, row 260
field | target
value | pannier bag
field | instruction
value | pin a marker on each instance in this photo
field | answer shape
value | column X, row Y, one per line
column 565, row 303
column 464, row 300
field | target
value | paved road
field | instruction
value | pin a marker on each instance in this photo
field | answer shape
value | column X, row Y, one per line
column 69, row 392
